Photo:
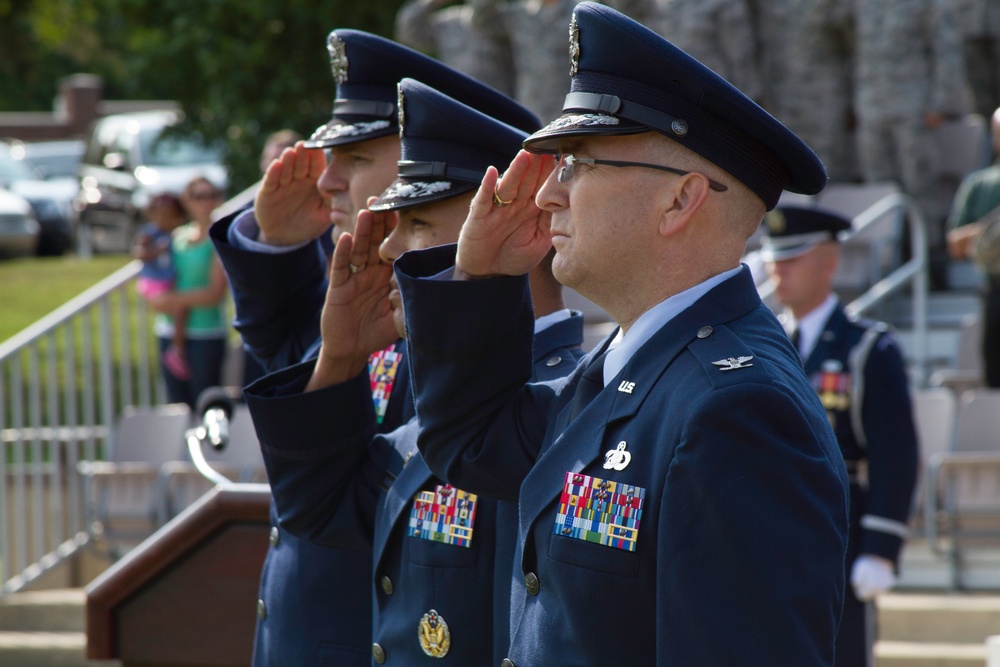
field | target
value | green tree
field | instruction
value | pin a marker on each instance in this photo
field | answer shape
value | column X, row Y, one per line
column 239, row 68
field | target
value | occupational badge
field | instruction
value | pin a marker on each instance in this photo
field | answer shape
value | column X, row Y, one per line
column 445, row 515
column 618, row 458
column 600, row 511
column 433, row 634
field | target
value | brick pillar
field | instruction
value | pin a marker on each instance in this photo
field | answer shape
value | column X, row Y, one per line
column 76, row 106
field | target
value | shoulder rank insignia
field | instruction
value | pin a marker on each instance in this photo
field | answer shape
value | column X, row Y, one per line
column 600, row 511
column 444, row 515
column 434, row 636
column 733, row 363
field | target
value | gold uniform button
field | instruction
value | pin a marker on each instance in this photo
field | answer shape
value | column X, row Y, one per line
column 507, row 662
column 261, row 610
column 275, row 536
column 378, row 653
column 531, row 583
column 386, row 584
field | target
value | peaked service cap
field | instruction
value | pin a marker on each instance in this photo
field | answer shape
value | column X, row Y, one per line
column 366, row 69
column 791, row 231
column 446, row 147
column 626, row 79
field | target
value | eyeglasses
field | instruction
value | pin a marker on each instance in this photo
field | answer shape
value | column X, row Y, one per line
column 567, row 161
column 202, row 196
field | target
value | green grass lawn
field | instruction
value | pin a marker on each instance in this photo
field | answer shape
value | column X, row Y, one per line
column 33, row 287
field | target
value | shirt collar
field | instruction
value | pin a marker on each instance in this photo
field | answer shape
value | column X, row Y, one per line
column 621, row 349
column 811, row 325
column 545, row 321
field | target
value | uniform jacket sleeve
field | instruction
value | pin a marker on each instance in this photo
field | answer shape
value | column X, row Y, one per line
column 278, row 298
column 887, row 416
column 325, row 467
column 470, row 348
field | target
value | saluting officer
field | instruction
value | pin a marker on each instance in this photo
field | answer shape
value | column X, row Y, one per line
column 442, row 556
column 314, row 603
column 857, row 369
column 682, row 500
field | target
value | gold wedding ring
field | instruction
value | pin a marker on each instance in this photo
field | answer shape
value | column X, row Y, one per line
column 499, row 203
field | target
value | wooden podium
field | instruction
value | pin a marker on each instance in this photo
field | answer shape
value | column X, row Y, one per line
column 187, row 595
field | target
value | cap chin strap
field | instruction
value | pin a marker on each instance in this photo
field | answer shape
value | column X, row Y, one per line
column 410, row 169
column 616, row 106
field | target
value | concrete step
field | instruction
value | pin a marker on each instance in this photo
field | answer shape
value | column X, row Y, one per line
column 45, row 629
column 50, row 611
column 945, row 618
column 919, row 654
column 45, row 649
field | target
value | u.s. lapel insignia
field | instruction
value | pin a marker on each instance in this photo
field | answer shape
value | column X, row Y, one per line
column 626, row 387
column 445, row 515
column 617, row 459
column 600, row 511
column 434, row 636
column 733, row 363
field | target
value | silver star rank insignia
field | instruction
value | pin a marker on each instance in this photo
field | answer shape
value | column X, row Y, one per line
column 733, row 363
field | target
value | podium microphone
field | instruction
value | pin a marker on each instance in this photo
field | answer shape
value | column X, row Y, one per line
column 215, row 405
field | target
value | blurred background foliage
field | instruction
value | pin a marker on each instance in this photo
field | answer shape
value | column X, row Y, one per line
column 240, row 69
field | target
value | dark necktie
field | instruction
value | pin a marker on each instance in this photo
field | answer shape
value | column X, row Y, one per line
column 590, row 385
column 795, row 340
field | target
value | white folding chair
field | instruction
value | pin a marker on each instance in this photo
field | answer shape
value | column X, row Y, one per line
column 122, row 501
column 962, row 486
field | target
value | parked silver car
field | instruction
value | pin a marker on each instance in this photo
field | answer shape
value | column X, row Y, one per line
column 19, row 230
column 50, row 200
column 130, row 157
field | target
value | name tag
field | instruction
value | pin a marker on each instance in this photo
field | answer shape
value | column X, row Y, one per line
column 444, row 515
column 600, row 511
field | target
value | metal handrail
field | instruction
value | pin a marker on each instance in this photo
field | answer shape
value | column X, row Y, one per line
column 912, row 271
column 62, row 388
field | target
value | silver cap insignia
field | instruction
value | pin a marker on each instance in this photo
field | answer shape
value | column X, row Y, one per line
column 338, row 58
column 574, row 46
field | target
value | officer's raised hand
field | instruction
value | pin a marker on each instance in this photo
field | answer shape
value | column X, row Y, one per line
column 505, row 232
column 357, row 316
column 288, row 207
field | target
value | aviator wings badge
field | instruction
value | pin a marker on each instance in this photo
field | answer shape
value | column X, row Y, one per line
column 733, row 363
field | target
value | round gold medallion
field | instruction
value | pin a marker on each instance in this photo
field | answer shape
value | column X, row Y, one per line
column 435, row 639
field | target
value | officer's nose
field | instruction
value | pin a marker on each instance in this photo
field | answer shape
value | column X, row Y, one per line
column 334, row 179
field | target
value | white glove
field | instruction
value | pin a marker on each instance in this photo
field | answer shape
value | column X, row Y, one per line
column 871, row 576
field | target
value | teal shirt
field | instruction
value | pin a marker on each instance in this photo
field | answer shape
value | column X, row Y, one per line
column 978, row 194
column 193, row 264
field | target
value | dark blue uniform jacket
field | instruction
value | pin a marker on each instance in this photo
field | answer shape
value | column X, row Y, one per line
column 336, row 484
column 858, row 372
column 314, row 603
column 739, row 540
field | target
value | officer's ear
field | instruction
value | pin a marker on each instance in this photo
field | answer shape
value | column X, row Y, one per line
column 681, row 201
